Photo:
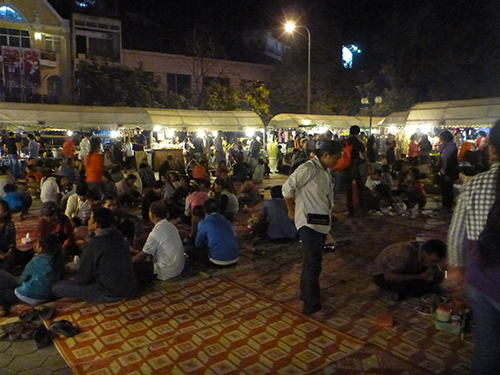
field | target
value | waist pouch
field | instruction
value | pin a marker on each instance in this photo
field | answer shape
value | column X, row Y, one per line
column 317, row 219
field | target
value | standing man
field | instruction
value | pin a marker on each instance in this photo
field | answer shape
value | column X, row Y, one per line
column 33, row 147
column 474, row 257
column 138, row 144
column 220, row 154
column 310, row 145
column 255, row 152
column 85, row 146
column 12, row 146
column 41, row 144
column 311, row 188
column 354, row 172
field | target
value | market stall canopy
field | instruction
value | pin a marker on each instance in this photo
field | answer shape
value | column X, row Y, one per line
column 293, row 121
column 185, row 120
column 394, row 119
column 474, row 112
column 27, row 117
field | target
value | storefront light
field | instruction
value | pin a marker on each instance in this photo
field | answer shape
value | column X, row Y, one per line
column 170, row 133
column 157, row 128
column 393, row 129
column 249, row 132
column 70, row 133
column 38, row 36
column 115, row 134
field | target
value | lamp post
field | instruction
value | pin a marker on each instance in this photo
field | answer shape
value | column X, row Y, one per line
column 290, row 27
column 366, row 101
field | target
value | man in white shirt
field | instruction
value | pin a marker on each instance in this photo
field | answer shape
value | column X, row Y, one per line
column 165, row 246
column 49, row 189
column 5, row 179
column 310, row 187
column 85, row 146
column 78, row 205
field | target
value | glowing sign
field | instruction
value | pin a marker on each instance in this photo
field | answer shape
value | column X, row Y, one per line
column 348, row 55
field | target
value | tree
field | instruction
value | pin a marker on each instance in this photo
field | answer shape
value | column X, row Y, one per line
column 115, row 85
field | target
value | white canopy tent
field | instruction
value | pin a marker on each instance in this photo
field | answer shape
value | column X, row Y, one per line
column 456, row 113
column 293, row 121
column 19, row 116
column 394, row 119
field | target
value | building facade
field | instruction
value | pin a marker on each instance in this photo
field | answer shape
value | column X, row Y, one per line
column 41, row 50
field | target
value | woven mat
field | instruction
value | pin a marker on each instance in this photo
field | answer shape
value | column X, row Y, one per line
column 211, row 324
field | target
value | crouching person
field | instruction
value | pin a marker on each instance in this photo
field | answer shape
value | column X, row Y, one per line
column 106, row 273
column 409, row 269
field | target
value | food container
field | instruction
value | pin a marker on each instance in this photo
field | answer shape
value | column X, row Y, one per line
column 456, row 320
column 443, row 314
column 450, row 328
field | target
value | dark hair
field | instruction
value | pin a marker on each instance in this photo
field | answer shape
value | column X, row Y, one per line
column 211, row 206
column 446, row 135
column 205, row 183
column 330, row 147
column 354, row 130
column 225, row 184
column 82, row 189
column 94, row 194
column 159, row 209
column 6, row 208
column 103, row 217
column 95, row 145
column 276, row 192
column 198, row 211
column 158, row 184
column 108, row 197
column 490, row 236
column 482, row 133
column 143, row 165
column 51, row 245
column 11, row 134
column 131, row 177
column 9, row 188
column 437, row 247
column 31, row 136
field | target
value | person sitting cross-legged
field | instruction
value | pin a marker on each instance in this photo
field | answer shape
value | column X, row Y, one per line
column 407, row 269
column 165, row 246
column 106, row 272
column 274, row 222
column 215, row 242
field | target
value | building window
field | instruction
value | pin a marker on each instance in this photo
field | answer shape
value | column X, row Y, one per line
column 9, row 14
column 53, row 43
column 14, row 38
column 54, row 86
column 179, row 84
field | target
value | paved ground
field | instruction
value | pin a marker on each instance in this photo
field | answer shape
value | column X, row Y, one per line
column 368, row 236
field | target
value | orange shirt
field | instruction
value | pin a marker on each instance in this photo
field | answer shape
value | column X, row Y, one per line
column 199, row 172
column 93, row 167
column 68, row 149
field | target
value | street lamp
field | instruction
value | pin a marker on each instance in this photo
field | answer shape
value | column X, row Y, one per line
column 366, row 101
column 290, row 28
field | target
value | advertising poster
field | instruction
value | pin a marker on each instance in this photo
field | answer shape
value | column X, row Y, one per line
column 11, row 66
column 31, row 68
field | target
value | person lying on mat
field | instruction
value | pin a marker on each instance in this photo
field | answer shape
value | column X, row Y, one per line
column 408, row 269
column 37, row 278
column 106, row 273
column 165, row 246
column 215, row 242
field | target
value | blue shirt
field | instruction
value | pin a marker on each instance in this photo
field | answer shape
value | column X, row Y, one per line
column 217, row 232
column 279, row 225
column 14, row 200
column 37, row 278
column 34, row 149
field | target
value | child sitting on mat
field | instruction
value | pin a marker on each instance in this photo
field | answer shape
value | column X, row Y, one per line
column 36, row 281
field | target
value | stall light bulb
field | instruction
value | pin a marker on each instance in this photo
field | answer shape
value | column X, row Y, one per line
column 115, row 134
column 70, row 133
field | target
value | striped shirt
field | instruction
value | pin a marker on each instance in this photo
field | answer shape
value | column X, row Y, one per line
column 470, row 215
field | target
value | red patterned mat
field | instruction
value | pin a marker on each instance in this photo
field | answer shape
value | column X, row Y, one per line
column 211, row 324
column 352, row 308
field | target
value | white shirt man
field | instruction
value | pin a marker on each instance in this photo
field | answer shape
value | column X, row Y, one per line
column 49, row 191
column 84, row 147
column 78, row 207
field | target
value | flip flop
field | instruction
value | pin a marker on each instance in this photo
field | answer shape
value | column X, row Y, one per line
column 46, row 312
column 43, row 337
column 5, row 329
column 28, row 315
column 28, row 330
column 65, row 328
column 15, row 331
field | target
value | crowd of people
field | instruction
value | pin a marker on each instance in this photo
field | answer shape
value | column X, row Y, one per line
column 89, row 241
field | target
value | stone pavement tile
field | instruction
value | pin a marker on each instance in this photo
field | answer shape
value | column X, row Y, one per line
column 55, row 362
column 65, row 371
column 21, row 347
column 5, row 359
column 37, row 371
column 29, row 361
column 4, row 345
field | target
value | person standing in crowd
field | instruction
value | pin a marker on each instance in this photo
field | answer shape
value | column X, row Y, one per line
column 128, row 152
column 69, row 148
column 413, row 151
column 290, row 145
column 390, row 149
column 310, row 145
column 138, row 144
column 33, row 147
column 371, row 152
column 310, row 187
column 424, row 150
column 254, row 152
column 94, row 166
column 85, row 146
column 164, row 245
column 448, row 169
column 220, row 154
column 41, row 144
column 106, row 273
column 474, row 258
column 12, row 146
column 354, row 171
column 482, row 140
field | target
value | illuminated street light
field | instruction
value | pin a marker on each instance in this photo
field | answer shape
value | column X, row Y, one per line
column 290, row 28
column 366, row 101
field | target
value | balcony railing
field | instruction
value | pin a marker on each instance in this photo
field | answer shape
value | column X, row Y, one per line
column 49, row 58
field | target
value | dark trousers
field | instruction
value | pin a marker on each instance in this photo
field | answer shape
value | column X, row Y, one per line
column 313, row 243
column 350, row 191
column 413, row 288
column 24, row 210
column 7, row 286
column 81, row 292
column 447, row 193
